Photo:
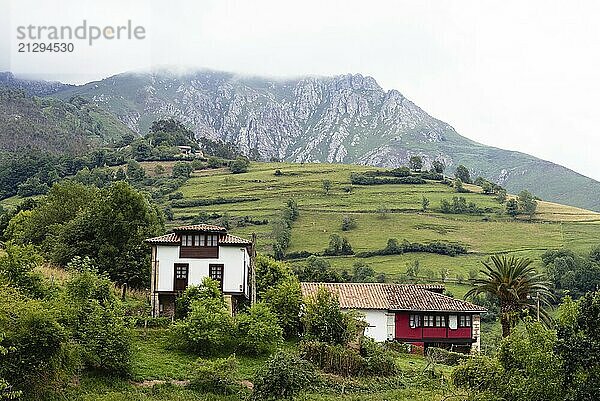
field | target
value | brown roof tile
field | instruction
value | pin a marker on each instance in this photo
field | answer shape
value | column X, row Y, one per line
column 175, row 239
column 392, row 297
column 171, row 238
column 201, row 227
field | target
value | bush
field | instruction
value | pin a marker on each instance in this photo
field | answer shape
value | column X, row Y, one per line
column 394, row 248
column 324, row 320
column 207, row 329
column 209, row 289
column 446, row 357
column 378, row 361
column 182, row 170
column 239, row 165
column 362, row 179
column 183, row 203
column 216, row 376
column 336, row 359
column 96, row 321
column 478, row 373
column 283, row 376
column 338, row 246
column 36, row 357
column 258, row 330
column 285, row 300
column 348, row 223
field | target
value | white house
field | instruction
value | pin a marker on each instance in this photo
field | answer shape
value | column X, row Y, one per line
column 191, row 253
column 418, row 314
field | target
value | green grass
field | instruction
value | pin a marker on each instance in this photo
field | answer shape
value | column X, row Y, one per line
column 554, row 226
column 155, row 361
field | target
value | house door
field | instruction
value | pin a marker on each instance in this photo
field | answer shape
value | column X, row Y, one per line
column 216, row 273
column 181, row 276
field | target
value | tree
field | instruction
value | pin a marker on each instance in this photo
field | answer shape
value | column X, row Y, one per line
column 512, row 208
column 285, row 300
column 182, row 170
column 501, row 196
column 463, row 174
column 326, row 186
column 159, row 169
column 578, row 345
column 258, row 330
column 317, row 269
column 515, row 282
column 324, row 320
column 415, row 163
column 269, row 272
column 17, row 266
column 135, row 171
column 458, row 185
column 527, row 203
column 438, row 166
column 424, row 204
column 348, row 223
column 239, row 165
column 338, row 246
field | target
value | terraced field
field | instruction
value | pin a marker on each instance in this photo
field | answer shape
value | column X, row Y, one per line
column 321, row 215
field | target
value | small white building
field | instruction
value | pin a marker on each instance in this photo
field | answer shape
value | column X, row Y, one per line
column 188, row 255
column 418, row 314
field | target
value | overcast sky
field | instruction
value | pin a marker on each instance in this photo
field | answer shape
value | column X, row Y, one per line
column 521, row 75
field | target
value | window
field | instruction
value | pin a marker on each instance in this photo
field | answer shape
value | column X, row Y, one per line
column 216, row 273
column 440, row 321
column 428, row 321
column 187, row 240
column 196, row 240
column 181, row 272
column 414, row 321
column 211, row 240
column 202, row 241
column 464, row 321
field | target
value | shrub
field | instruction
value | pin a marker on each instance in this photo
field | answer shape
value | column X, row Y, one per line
column 239, row 165
column 324, row 320
column 269, row 272
column 446, row 357
column 363, row 179
column 336, row 359
column 96, row 321
column 278, row 173
column 479, row 373
column 215, row 162
column 209, row 289
column 35, row 359
column 258, row 330
column 283, row 376
column 348, row 223
column 216, row 376
column 207, row 329
column 394, row 248
column 17, row 266
column 338, row 246
column 378, row 361
column 183, row 203
column 285, row 300
column 182, row 170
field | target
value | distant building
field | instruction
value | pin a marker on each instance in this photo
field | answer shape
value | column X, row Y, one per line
column 185, row 150
column 188, row 255
column 412, row 313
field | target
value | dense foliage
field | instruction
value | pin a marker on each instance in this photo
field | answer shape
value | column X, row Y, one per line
column 107, row 225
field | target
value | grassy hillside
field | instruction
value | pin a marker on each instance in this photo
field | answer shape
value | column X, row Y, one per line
column 52, row 125
column 321, row 215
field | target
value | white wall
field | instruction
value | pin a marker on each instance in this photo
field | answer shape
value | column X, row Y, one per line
column 235, row 262
column 379, row 328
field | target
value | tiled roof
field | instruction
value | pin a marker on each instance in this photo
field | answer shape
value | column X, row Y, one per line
column 171, row 238
column 201, row 227
column 233, row 240
column 392, row 297
column 175, row 239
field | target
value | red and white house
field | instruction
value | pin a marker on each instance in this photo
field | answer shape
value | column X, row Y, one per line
column 411, row 313
column 188, row 255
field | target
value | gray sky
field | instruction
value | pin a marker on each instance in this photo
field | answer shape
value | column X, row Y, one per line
column 520, row 75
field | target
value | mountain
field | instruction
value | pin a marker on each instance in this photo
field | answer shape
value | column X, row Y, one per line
column 52, row 125
column 31, row 87
column 343, row 119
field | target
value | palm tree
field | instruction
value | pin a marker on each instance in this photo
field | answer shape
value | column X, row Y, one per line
column 516, row 284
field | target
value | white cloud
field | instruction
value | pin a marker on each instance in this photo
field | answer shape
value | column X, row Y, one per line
column 514, row 74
